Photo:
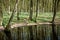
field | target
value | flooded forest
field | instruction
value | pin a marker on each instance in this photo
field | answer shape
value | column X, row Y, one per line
column 29, row 19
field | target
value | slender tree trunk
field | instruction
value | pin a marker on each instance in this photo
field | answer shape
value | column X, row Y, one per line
column 17, row 10
column 9, row 8
column 8, row 24
column 7, row 29
column 1, row 14
column 53, row 25
column 55, row 6
column 18, row 16
column 31, row 11
column 36, row 11
column 58, row 4
column 54, row 9
column 43, row 4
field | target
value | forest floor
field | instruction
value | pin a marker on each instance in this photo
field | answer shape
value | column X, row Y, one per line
column 24, row 17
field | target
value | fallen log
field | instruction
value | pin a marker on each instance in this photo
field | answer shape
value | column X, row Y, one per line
column 26, row 24
column 30, row 24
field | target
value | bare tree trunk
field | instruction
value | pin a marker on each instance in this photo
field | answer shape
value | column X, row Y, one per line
column 31, row 11
column 17, row 10
column 18, row 16
column 43, row 4
column 23, row 5
column 1, row 14
column 7, row 29
column 8, row 24
column 36, row 11
column 58, row 2
column 54, row 9
column 9, row 8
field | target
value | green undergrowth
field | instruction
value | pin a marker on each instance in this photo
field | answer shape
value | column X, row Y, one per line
column 24, row 17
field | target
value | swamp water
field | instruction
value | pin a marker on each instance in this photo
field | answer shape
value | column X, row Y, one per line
column 40, row 32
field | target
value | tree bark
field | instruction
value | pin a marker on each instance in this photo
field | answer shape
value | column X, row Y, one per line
column 7, row 29
column 55, row 2
column 31, row 11
column 17, row 10
column 1, row 14
column 36, row 11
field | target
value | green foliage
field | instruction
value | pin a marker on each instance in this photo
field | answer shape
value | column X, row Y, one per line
column 42, row 17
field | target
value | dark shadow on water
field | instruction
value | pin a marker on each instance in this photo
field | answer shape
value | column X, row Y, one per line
column 54, row 34
column 36, row 32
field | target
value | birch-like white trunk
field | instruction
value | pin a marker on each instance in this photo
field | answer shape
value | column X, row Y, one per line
column 17, row 9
